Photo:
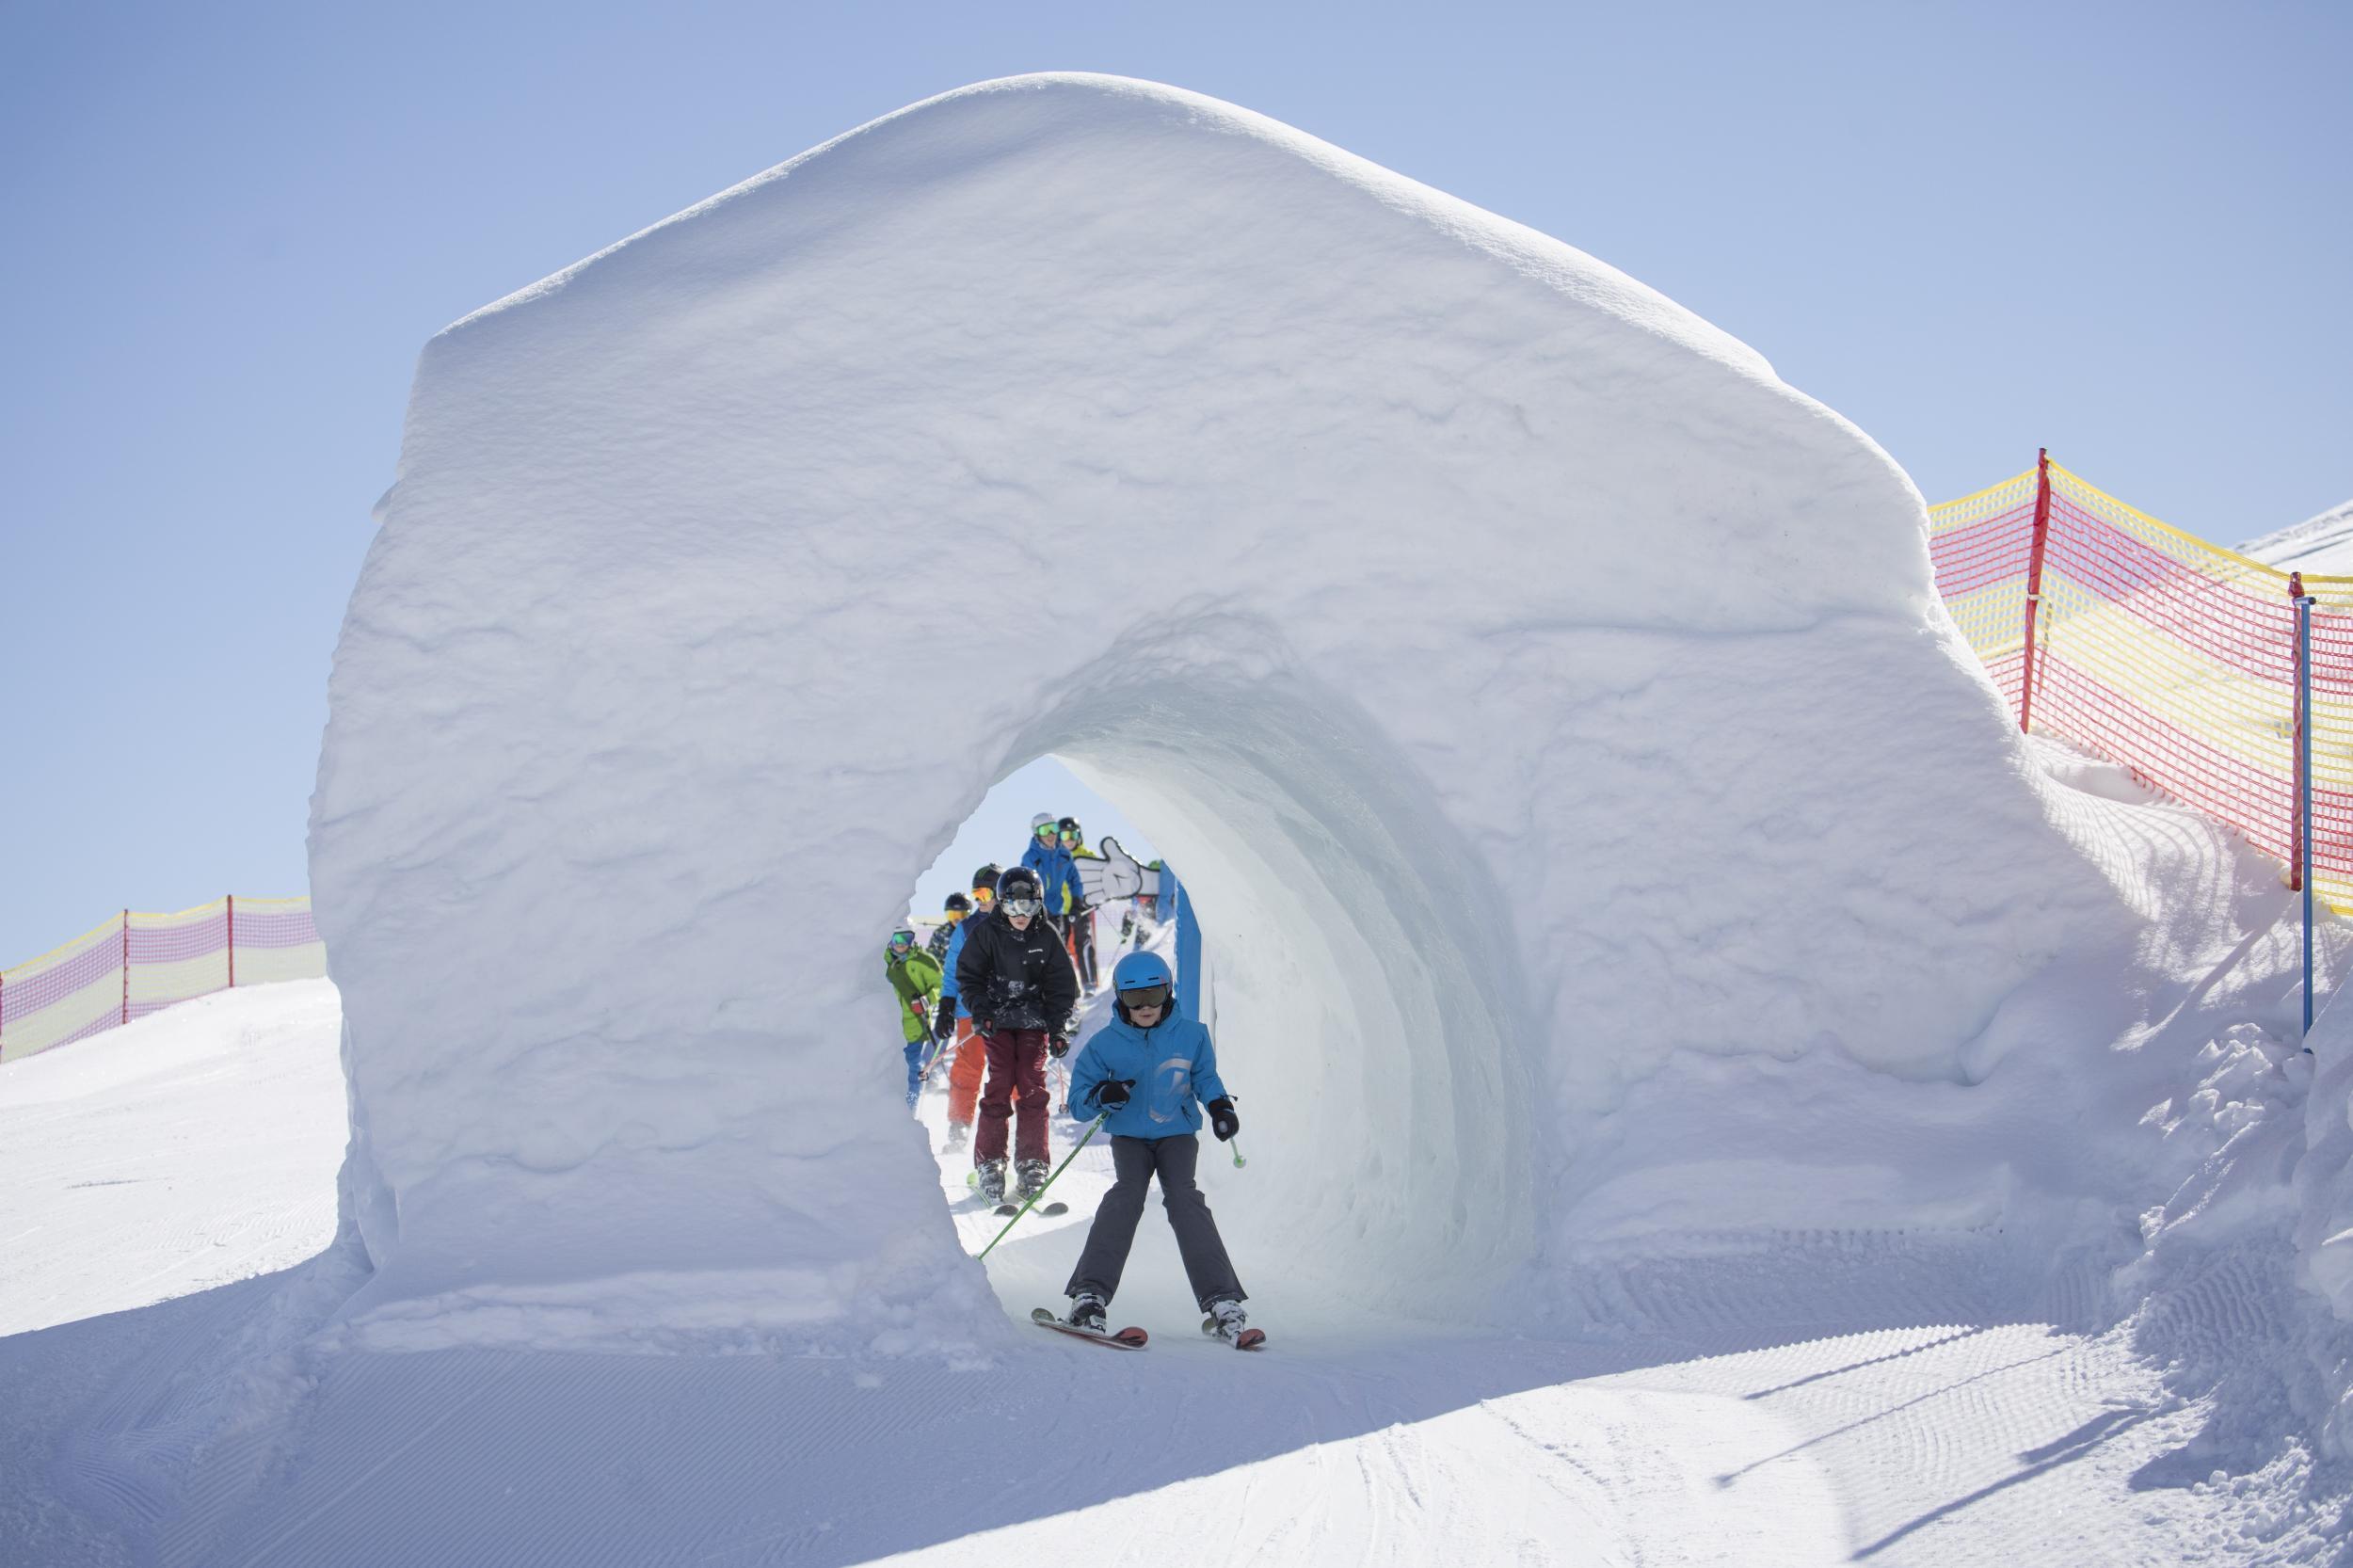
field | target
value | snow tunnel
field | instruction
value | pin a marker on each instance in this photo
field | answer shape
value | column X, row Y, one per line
column 1536, row 687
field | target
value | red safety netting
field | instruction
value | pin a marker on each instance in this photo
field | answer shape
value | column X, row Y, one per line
column 2158, row 652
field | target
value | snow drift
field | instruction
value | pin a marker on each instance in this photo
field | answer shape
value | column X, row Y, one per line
column 2319, row 546
column 1530, row 686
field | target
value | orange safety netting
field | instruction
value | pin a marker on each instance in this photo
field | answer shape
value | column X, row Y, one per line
column 2173, row 658
column 136, row 964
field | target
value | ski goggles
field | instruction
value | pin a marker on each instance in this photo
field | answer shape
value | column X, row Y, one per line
column 1021, row 905
column 983, row 895
column 1048, row 830
column 902, row 939
column 1154, row 995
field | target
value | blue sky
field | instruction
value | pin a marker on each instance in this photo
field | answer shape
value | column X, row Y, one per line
column 2122, row 231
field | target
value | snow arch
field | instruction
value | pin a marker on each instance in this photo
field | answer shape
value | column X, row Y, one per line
column 1551, row 688
column 1368, row 1015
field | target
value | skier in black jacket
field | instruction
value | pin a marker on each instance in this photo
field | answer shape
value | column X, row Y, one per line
column 1015, row 979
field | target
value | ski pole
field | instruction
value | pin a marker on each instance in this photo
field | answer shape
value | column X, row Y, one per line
column 1239, row 1160
column 932, row 1060
column 940, row 1046
column 1050, row 1181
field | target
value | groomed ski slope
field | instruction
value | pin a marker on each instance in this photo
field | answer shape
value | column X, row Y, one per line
column 1908, row 1419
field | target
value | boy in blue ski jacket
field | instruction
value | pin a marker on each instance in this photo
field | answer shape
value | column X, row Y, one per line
column 1057, row 873
column 1153, row 1071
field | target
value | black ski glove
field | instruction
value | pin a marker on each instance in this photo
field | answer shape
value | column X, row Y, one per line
column 944, row 1021
column 1057, row 1047
column 1112, row 1093
column 1222, row 1119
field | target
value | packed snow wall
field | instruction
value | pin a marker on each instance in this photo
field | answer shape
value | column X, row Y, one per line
column 1528, row 683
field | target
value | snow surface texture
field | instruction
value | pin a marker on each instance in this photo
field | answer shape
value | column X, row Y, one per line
column 2322, row 546
column 1533, row 690
column 1912, row 1423
column 145, row 1199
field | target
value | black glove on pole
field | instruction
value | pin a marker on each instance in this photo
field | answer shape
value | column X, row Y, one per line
column 1112, row 1093
column 1222, row 1119
column 1057, row 1047
column 944, row 1021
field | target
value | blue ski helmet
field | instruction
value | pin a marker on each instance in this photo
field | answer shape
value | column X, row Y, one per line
column 1141, row 979
column 1138, row 969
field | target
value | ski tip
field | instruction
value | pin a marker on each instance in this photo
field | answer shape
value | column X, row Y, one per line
column 1043, row 1315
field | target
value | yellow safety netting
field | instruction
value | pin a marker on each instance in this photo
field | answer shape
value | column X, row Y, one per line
column 2174, row 657
column 136, row 963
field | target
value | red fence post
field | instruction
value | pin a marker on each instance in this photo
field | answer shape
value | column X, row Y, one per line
column 232, row 941
column 2033, row 582
column 2296, row 815
column 127, row 966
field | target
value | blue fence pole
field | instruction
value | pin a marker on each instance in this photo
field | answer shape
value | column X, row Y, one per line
column 2304, row 781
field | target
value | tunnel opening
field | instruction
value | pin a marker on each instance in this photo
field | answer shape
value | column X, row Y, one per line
column 1360, row 985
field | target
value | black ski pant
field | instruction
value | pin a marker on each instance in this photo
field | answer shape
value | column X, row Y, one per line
column 1083, row 946
column 1105, row 1259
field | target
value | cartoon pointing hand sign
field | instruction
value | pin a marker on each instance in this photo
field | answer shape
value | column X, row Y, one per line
column 1116, row 875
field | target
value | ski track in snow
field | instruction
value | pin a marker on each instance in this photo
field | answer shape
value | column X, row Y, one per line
column 1705, row 1439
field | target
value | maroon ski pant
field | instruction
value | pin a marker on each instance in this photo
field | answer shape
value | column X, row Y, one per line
column 1017, row 1060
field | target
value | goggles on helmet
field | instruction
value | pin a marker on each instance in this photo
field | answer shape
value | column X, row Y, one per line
column 1021, row 905
column 983, row 895
column 1048, row 830
column 902, row 939
column 1154, row 995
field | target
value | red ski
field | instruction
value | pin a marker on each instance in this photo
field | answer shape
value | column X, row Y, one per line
column 1248, row 1339
column 1124, row 1339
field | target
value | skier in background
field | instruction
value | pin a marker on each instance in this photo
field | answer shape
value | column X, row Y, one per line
column 1057, row 873
column 1154, row 1070
column 953, row 1020
column 940, row 945
column 1083, row 915
column 1014, row 978
column 1143, row 917
column 915, row 975
column 952, row 914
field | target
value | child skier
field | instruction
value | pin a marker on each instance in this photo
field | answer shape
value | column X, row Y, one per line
column 1155, row 1070
column 1057, row 875
column 1014, row 978
column 915, row 975
column 1082, row 915
column 967, row 1057
column 951, row 914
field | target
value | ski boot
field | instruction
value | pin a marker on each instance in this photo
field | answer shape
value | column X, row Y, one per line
column 1228, row 1321
column 958, row 1135
column 1086, row 1312
column 992, row 1182
column 1031, row 1177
